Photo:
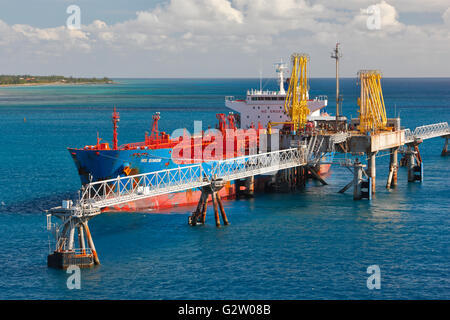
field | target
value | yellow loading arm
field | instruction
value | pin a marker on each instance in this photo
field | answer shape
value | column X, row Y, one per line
column 372, row 112
column 296, row 103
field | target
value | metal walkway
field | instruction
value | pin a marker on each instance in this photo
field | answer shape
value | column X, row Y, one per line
column 112, row 192
column 427, row 132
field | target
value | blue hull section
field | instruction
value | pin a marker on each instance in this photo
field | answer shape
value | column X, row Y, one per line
column 108, row 164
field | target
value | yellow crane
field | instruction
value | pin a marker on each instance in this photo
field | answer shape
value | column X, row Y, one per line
column 372, row 112
column 296, row 102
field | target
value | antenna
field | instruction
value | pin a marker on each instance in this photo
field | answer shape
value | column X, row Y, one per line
column 260, row 75
column 260, row 81
column 281, row 67
column 336, row 54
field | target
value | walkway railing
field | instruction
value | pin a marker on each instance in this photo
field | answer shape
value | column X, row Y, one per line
column 112, row 192
column 427, row 132
column 246, row 166
column 123, row 189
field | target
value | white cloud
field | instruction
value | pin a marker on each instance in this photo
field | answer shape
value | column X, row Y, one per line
column 401, row 5
column 446, row 16
column 208, row 30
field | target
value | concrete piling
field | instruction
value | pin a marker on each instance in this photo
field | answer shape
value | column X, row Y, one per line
column 81, row 239
column 393, row 168
column 414, row 164
column 71, row 236
column 410, row 164
column 371, row 161
column 250, row 186
column 361, row 188
column 245, row 187
column 357, row 179
column 394, row 162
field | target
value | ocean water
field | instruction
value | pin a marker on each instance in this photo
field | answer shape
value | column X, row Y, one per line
column 311, row 244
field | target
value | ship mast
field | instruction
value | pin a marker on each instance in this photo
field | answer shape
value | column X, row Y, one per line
column 115, row 120
column 336, row 54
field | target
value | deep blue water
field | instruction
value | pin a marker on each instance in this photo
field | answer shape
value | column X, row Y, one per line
column 314, row 244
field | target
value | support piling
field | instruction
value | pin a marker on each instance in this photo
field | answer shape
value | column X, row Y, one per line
column 222, row 211
column 371, row 161
column 393, row 168
column 216, row 211
column 91, row 242
column 199, row 215
column 357, row 179
column 445, row 151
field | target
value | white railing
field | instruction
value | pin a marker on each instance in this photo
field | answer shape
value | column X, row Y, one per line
column 123, row 189
column 427, row 132
column 246, row 166
column 112, row 192
column 339, row 137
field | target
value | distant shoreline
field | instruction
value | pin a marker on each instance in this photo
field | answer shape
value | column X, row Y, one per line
column 57, row 83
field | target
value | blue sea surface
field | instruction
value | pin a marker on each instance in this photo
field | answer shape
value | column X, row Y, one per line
column 311, row 244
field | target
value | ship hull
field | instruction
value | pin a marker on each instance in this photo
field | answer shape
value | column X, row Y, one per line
column 97, row 165
column 171, row 201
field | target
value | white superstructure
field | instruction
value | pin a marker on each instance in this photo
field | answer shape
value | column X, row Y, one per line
column 262, row 106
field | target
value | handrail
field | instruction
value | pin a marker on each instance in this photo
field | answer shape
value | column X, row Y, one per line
column 122, row 189
column 427, row 132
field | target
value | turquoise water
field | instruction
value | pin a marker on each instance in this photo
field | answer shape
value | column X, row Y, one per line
column 312, row 244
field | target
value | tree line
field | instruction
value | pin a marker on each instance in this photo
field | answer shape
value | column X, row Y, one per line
column 23, row 79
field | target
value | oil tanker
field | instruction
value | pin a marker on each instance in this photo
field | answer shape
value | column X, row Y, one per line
column 236, row 134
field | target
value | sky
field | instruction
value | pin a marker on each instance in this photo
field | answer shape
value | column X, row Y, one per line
column 223, row 38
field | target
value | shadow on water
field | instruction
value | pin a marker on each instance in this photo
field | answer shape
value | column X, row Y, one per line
column 39, row 204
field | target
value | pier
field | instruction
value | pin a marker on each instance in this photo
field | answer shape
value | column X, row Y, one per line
column 303, row 147
column 290, row 167
column 97, row 195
